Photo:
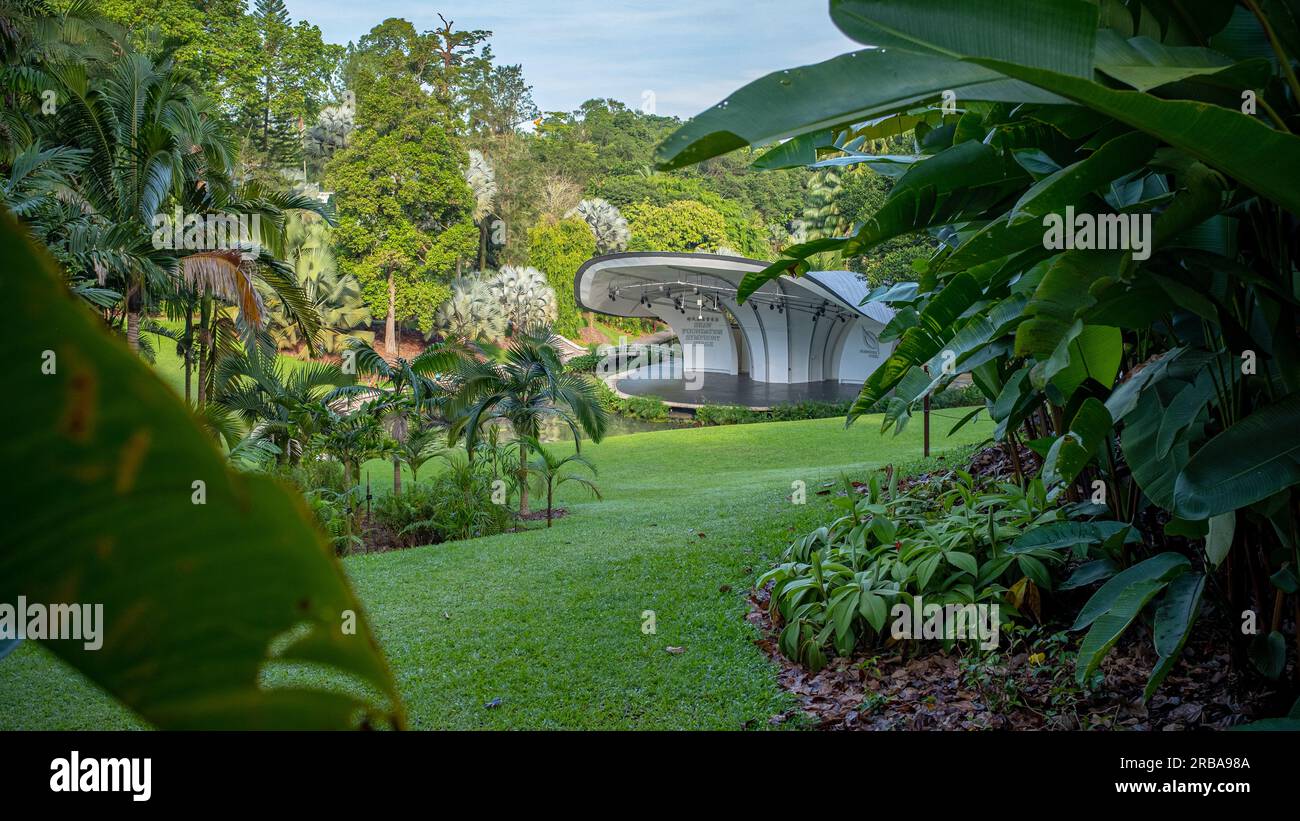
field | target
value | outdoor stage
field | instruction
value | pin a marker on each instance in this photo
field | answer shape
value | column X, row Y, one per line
column 725, row 389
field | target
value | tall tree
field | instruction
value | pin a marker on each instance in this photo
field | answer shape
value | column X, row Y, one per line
column 405, row 211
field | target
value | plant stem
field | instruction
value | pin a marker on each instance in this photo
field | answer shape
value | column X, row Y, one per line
column 1283, row 60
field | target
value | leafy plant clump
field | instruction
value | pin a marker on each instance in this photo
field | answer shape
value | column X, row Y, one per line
column 968, row 544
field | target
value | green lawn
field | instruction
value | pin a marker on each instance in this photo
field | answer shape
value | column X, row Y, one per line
column 550, row 621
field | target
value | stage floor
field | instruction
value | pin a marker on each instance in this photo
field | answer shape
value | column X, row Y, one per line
column 724, row 389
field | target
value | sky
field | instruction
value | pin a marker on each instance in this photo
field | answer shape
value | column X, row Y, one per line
column 688, row 54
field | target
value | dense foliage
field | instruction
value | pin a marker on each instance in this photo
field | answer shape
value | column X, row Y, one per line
column 1156, row 370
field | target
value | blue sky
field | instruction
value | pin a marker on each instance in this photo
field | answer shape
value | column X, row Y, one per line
column 689, row 53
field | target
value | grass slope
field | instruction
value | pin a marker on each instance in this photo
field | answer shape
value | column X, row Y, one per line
column 550, row 622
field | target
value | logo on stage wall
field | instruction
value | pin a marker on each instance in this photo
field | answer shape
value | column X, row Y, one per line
column 870, row 343
column 705, row 330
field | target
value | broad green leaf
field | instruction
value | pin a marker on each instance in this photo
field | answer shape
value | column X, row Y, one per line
column 963, row 561
column 1218, row 541
column 1071, row 453
column 1154, row 475
column 1071, row 184
column 1036, row 571
column 1157, row 570
column 1107, row 629
column 1185, row 407
column 1056, row 36
column 1144, row 63
column 872, row 608
column 1248, row 462
column 1058, row 535
column 851, row 88
column 200, row 601
column 1175, row 615
column 1065, row 292
column 1268, row 654
column 1090, row 573
column 919, row 343
column 1084, row 352
column 1240, row 146
column 963, row 179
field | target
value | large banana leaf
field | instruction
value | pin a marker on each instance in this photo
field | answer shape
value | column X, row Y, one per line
column 1175, row 615
column 847, row 89
column 1244, row 148
column 1250, row 461
column 227, row 611
column 1056, row 36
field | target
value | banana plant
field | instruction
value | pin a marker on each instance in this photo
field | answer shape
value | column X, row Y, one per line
column 1113, row 190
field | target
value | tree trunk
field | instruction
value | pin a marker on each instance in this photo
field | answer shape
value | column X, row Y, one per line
column 397, row 476
column 187, row 346
column 205, row 307
column 550, row 500
column 133, row 318
column 390, row 324
column 523, row 479
column 482, row 243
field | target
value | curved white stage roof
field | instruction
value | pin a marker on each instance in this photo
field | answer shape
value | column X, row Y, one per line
column 792, row 330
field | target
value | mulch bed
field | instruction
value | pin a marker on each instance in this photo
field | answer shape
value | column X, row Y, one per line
column 885, row 690
column 540, row 515
column 930, row 692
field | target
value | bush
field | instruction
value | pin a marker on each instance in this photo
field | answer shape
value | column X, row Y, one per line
column 586, row 363
column 647, row 408
column 838, row 585
column 809, row 409
column 313, row 474
column 455, row 505
column 727, row 415
column 964, row 396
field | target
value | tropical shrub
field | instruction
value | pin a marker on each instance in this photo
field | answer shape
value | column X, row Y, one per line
column 523, row 297
column 726, row 415
column 559, row 248
column 456, row 504
column 470, row 312
column 585, row 363
column 836, row 586
column 645, row 408
column 682, row 225
column 526, row 388
column 1114, row 193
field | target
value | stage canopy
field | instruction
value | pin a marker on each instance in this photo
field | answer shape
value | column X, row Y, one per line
column 792, row 331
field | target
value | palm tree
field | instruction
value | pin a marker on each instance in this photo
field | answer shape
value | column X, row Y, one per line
column 352, row 439
column 146, row 142
column 404, row 388
column 548, row 468
column 279, row 403
column 421, row 445
column 482, row 180
column 529, row 386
